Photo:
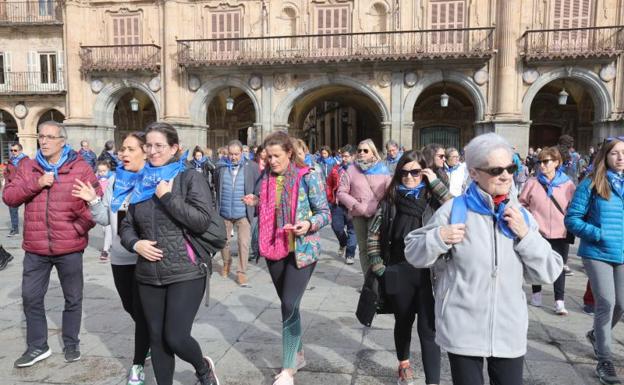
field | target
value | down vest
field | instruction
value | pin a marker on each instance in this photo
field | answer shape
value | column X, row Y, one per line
column 164, row 220
column 55, row 222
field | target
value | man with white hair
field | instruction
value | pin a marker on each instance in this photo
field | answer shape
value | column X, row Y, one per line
column 393, row 154
column 56, row 227
column 456, row 172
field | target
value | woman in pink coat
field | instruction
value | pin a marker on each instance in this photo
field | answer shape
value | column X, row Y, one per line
column 550, row 185
column 361, row 188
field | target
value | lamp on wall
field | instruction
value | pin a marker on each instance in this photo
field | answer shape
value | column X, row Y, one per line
column 134, row 103
column 444, row 98
column 563, row 97
column 2, row 124
column 229, row 102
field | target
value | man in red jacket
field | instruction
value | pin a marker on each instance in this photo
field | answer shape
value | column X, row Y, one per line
column 56, row 226
column 16, row 158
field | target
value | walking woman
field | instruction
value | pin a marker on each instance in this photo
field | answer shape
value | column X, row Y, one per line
column 481, row 311
column 109, row 211
column 292, row 207
column 415, row 192
column 547, row 196
column 596, row 216
column 169, row 203
column 362, row 187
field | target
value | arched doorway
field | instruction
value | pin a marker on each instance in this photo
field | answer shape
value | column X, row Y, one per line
column 133, row 112
column 451, row 125
column 552, row 117
column 229, row 116
column 335, row 115
column 9, row 136
column 51, row 115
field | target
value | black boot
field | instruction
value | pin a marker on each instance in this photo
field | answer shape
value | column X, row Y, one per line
column 5, row 258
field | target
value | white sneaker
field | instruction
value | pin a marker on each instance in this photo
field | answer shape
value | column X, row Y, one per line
column 560, row 308
column 284, row 378
column 536, row 299
column 349, row 260
column 568, row 272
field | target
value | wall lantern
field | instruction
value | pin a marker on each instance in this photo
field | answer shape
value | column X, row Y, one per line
column 229, row 102
column 134, row 104
column 444, row 98
column 563, row 97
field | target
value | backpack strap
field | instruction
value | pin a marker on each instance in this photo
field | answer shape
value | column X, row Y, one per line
column 458, row 210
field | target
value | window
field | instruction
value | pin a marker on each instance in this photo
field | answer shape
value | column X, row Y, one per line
column 2, row 68
column 571, row 14
column 332, row 20
column 226, row 25
column 46, row 8
column 47, row 65
column 127, row 31
column 447, row 14
column 380, row 22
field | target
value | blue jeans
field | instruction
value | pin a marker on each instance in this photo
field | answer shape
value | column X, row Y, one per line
column 14, row 212
column 340, row 220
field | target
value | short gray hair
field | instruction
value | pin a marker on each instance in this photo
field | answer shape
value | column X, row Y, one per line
column 449, row 151
column 477, row 151
column 236, row 143
column 61, row 128
column 392, row 143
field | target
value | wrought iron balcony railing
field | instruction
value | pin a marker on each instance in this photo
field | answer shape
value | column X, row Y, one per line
column 592, row 42
column 339, row 47
column 32, row 82
column 30, row 12
column 111, row 58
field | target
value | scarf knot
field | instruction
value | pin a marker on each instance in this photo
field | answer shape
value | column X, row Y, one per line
column 559, row 179
column 16, row 159
column 145, row 187
column 617, row 182
column 411, row 191
column 54, row 168
column 372, row 168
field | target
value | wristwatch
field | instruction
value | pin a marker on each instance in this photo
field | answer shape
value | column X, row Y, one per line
column 95, row 201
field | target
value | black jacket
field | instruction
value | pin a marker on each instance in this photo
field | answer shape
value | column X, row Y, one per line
column 164, row 220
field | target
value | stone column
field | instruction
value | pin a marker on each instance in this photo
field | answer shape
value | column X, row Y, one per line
column 385, row 132
column 396, row 98
column 29, row 141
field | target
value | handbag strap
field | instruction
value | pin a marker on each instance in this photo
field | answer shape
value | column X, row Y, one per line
column 554, row 201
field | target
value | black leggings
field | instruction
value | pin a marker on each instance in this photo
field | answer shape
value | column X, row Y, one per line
column 468, row 370
column 410, row 292
column 170, row 311
column 290, row 283
column 128, row 291
column 562, row 248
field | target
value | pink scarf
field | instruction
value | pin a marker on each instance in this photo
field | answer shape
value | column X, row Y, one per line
column 272, row 238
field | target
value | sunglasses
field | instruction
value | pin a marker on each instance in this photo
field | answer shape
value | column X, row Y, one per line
column 363, row 150
column 545, row 161
column 14, row 150
column 496, row 171
column 441, row 156
column 415, row 173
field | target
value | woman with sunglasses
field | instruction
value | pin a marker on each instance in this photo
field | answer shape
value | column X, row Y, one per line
column 415, row 192
column 547, row 196
column 435, row 156
column 596, row 216
column 109, row 211
column 168, row 204
column 481, row 311
column 362, row 187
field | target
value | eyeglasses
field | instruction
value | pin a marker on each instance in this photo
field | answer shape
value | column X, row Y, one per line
column 158, row 147
column 441, row 156
column 545, row 161
column 363, row 150
column 12, row 150
column 496, row 171
column 41, row 138
column 415, row 173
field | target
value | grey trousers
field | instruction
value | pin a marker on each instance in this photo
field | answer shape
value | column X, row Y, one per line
column 607, row 283
column 360, row 225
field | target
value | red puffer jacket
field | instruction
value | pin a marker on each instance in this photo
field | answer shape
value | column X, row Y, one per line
column 11, row 171
column 55, row 222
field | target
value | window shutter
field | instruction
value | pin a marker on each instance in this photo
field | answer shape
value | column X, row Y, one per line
column 32, row 62
column 7, row 61
column 60, row 76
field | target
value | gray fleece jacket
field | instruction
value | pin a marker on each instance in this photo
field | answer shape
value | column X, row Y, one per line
column 480, row 306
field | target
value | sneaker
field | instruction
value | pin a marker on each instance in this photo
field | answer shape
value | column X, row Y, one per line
column 209, row 378
column 588, row 309
column 284, row 378
column 568, row 272
column 72, row 353
column 406, row 376
column 591, row 337
column 13, row 233
column 341, row 251
column 560, row 308
column 241, row 279
column 5, row 258
column 300, row 362
column 606, row 373
column 31, row 357
column 136, row 376
column 536, row 299
column 350, row 260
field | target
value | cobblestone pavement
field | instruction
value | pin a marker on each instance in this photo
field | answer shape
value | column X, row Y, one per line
column 241, row 330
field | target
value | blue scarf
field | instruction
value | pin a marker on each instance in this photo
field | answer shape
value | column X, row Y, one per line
column 559, row 179
column 377, row 168
column 345, row 166
column 450, row 169
column 107, row 176
column 414, row 191
column 396, row 159
column 151, row 176
column 617, row 182
column 476, row 203
column 309, row 160
column 54, row 168
column 199, row 163
column 124, row 184
column 16, row 159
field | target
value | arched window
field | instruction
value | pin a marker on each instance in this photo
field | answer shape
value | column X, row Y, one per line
column 289, row 15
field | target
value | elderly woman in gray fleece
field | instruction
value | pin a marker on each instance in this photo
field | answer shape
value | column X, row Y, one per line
column 481, row 246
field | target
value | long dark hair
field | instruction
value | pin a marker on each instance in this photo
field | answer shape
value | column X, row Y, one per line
column 410, row 156
column 429, row 153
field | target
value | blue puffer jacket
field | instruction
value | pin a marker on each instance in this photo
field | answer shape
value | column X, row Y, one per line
column 598, row 222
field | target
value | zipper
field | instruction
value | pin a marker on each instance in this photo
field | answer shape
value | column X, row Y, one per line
column 493, row 290
column 154, row 232
column 48, row 219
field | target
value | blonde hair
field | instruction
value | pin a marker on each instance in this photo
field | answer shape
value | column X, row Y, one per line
column 598, row 176
column 299, row 144
column 369, row 142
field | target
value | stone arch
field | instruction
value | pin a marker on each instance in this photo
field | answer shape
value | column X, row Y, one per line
column 285, row 107
column 603, row 104
column 464, row 81
column 107, row 99
column 43, row 110
column 210, row 89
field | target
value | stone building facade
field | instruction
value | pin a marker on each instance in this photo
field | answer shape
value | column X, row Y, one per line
column 330, row 71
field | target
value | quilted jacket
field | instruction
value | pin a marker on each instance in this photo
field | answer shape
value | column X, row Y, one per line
column 163, row 220
column 55, row 222
column 361, row 193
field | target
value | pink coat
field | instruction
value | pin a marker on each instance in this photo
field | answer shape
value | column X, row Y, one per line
column 534, row 198
column 361, row 193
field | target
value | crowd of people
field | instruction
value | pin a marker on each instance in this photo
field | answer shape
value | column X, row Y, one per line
column 450, row 237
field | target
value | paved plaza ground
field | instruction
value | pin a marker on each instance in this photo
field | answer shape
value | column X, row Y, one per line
column 241, row 330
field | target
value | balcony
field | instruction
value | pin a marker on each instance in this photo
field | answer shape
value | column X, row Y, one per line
column 573, row 43
column 114, row 58
column 44, row 12
column 32, row 83
column 468, row 43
